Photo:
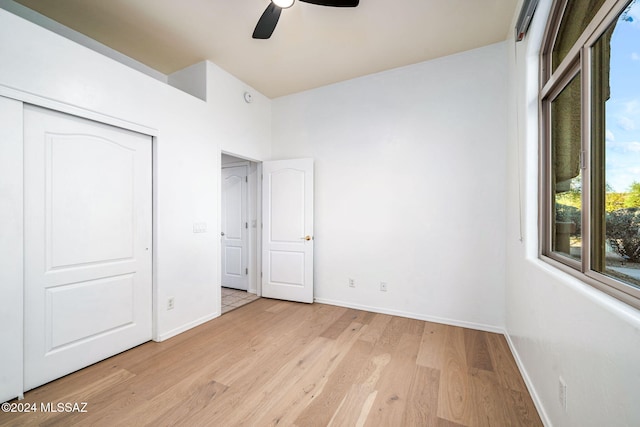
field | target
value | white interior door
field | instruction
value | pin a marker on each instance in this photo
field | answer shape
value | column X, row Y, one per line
column 87, row 243
column 235, row 228
column 287, row 213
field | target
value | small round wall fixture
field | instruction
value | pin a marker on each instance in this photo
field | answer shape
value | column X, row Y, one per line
column 248, row 98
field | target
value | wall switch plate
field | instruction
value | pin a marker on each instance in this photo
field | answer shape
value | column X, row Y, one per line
column 199, row 227
column 383, row 286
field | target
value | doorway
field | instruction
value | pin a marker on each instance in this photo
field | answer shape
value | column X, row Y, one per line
column 238, row 232
column 279, row 252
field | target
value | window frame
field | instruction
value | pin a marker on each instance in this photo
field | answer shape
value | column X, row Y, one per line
column 577, row 62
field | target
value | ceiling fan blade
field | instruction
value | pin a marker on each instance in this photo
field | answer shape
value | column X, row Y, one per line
column 334, row 3
column 267, row 22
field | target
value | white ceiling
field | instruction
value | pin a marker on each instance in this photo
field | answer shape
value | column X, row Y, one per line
column 312, row 45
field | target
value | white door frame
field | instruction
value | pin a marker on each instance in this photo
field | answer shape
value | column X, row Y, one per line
column 11, row 248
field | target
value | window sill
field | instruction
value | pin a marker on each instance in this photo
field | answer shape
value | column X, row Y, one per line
column 599, row 288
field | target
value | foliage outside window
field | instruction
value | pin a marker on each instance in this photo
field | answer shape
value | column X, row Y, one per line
column 590, row 162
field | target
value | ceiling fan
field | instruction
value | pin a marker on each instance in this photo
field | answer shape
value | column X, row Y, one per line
column 269, row 19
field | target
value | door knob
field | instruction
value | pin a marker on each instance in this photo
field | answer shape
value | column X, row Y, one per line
column 222, row 233
column 306, row 238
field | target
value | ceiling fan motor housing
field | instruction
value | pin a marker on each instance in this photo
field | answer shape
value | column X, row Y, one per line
column 269, row 19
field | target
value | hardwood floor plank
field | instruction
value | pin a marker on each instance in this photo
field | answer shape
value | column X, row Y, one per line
column 454, row 397
column 279, row 306
column 431, row 352
column 313, row 382
column 282, row 339
column 396, row 328
column 355, row 407
column 521, row 408
column 322, row 407
column 78, row 393
column 356, row 404
column 376, row 327
column 393, row 387
column 111, row 403
column 289, row 343
column 488, row 398
column 337, row 327
column 70, row 384
column 504, row 364
column 196, row 393
column 498, row 405
column 413, row 326
column 160, row 371
column 446, row 423
column 266, row 393
column 281, row 363
column 475, row 343
column 422, row 402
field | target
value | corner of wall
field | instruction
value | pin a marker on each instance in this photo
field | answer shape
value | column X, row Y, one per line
column 192, row 80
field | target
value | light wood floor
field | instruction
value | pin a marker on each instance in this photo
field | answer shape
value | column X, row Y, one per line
column 272, row 362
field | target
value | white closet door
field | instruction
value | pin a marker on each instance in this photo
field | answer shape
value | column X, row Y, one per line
column 87, row 243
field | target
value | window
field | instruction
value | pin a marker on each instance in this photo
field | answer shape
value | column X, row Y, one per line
column 590, row 144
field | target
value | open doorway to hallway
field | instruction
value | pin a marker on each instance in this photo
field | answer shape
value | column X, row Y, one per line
column 239, row 232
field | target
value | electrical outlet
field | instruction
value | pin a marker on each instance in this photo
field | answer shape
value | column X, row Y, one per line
column 562, row 393
column 383, row 286
column 171, row 302
column 352, row 283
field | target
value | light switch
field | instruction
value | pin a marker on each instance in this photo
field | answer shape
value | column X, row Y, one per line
column 199, row 227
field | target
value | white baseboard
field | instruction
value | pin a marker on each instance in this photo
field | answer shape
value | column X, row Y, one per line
column 527, row 380
column 185, row 327
column 445, row 321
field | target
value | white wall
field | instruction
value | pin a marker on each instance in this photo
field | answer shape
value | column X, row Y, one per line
column 244, row 128
column 39, row 66
column 557, row 325
column 410, row 186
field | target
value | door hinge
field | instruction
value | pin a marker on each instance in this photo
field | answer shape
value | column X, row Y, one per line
column 246, row 271
column 246, row 179
column 246, row 225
